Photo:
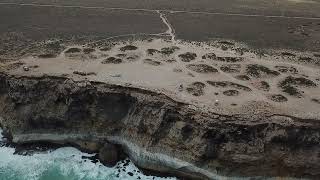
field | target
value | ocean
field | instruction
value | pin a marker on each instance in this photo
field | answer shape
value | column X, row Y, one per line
column 63, row 164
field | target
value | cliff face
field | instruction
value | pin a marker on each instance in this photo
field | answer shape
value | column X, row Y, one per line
column 157, row 132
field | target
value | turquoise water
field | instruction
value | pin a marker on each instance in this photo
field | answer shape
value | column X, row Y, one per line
column 62, row 164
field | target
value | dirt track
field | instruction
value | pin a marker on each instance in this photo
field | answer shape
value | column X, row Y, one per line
column 262, row 24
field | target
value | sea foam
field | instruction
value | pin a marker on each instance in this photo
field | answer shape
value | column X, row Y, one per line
column 64, row 164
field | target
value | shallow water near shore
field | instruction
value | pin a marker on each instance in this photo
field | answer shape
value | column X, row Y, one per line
column 63, row 164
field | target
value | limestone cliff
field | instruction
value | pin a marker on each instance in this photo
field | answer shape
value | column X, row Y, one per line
column 157, row 132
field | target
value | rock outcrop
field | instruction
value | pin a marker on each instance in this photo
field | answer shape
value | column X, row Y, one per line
column 157, row 132
column 109, row 155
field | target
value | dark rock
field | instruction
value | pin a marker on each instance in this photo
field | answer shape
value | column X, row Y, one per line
column 278, row 98
column 286, row 69
column 226, row 43
column 169, row 50
column 47, row 56
column 109, row 155
column 211, row 56
column 132, row 58
column 153, row 51
column 186, row 131
column 93, row 159
column 265, row 86
column 170, row 60
column 112, row 60
column 262, row 85
column 230, row 59
column 218, row 83
column 177, row 70
column 81, row 73
column 73, row 50
column 105, row 49
column 225, row 84
column 88, row 50
column 28, row 149
column 196, row 88
column 231, row 68
column 53, row 47
column 293, row 91
column 288, row 54
column 258, row 71
column 243, row 77
column 152, row 62
column 241, row 51
column 128, row 48
column 297, row 81
column 211, row 151
column 315, row 100
column 231, row 92
column 15, row 65
column 305, row 59
column 121, row 55
column 187, row 57
column 202, row 68
column 224, row 48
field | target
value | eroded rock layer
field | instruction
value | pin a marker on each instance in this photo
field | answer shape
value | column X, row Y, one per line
column 157, row 132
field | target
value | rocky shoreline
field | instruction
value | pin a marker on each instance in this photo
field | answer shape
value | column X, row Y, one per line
column 157, row 132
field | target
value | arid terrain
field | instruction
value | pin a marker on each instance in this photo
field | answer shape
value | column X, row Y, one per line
column 197, row 89
column 221, row 76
